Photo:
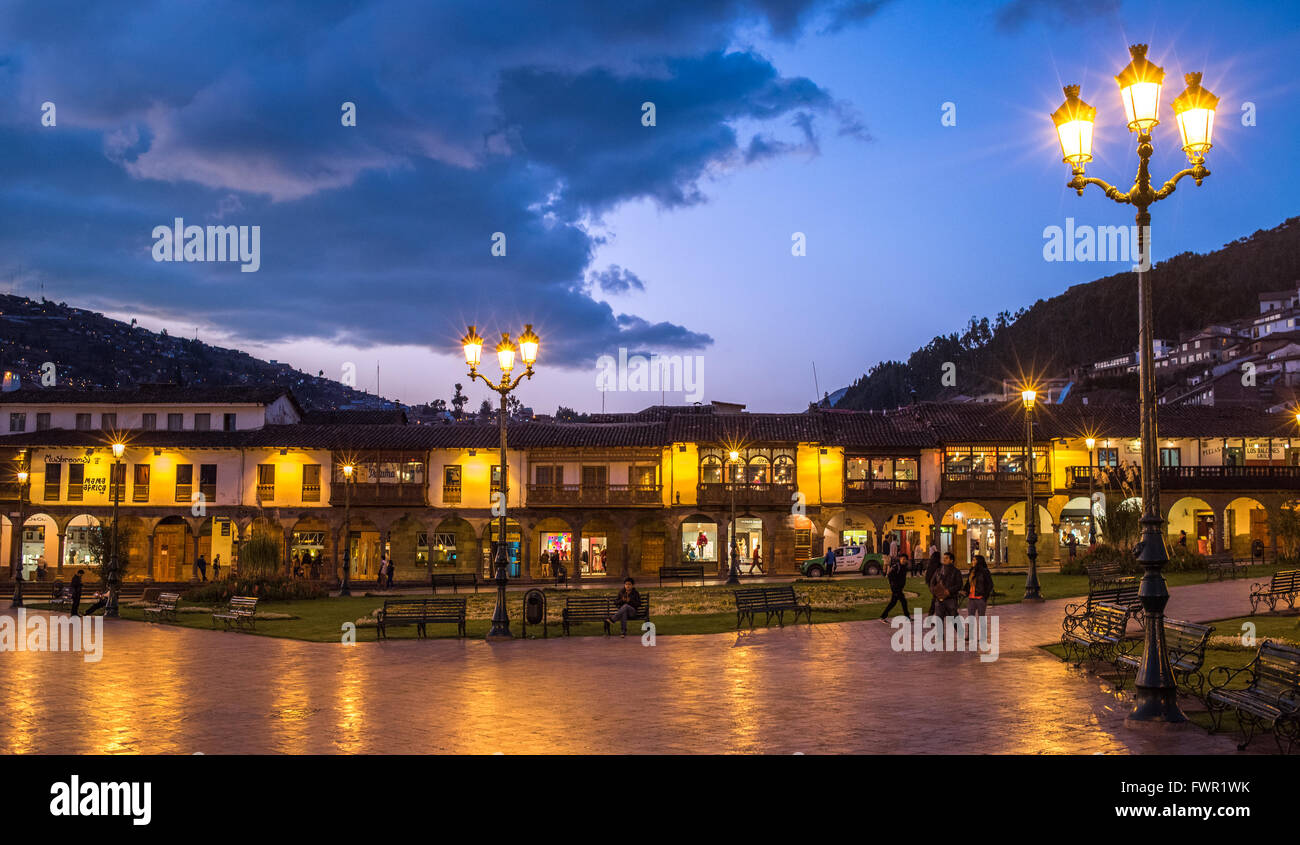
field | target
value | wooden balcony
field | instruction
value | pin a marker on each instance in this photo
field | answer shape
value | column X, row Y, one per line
column 907, row 491
column 1001, row 484
column 1262, row 478
column 577, row 495
column 775, row 495
column 363, row 495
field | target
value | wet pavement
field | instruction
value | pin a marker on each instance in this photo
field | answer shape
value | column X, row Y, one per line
column 814, row 689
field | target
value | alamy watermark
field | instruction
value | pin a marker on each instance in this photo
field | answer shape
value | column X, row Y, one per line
column 38, row 632
column 953, row 633
column 652, row 373
column 179, row 242
column 1098, row 243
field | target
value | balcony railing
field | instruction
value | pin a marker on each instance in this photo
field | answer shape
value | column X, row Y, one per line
column 1230, row 478
column 993, row 483
column 311, row 492
column 882, row 490
column 378, row 494
column 719, row 493
column 602, row 494
column 451, row 494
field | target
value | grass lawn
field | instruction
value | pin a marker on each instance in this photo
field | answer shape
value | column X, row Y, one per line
column 674, row 610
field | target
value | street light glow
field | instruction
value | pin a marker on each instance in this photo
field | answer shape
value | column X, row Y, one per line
column 1074, row 121
column 1139, row 89
column 1194, row 112
column 473, row 345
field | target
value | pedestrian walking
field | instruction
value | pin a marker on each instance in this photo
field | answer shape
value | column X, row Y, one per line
column 931, row 568
column 830, row 562
column 75, row 588
column 757, row 561
column 1073, row 546
column 202, row 564
column 979, row 588
column 945, row 587
column 391, row 566
column 896, row 575
column 216, row 567
column 383, row 566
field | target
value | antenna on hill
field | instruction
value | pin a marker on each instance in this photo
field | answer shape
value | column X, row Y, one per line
column 816, row 389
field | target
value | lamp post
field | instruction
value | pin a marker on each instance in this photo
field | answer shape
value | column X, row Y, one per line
column 345, row 589
column 733, row 570
column 473, row 345
column 18, row 537
column 1092, row 523
column 1156, row 698
column 1032, row 591
column 117, row 477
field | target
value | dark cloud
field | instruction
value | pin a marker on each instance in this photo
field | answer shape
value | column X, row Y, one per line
column 473, row 118
column 615, row 279
column 1014, row 15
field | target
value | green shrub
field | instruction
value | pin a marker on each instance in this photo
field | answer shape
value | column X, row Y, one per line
column 1184, row 560
column 1103, row 553
column 265, row 587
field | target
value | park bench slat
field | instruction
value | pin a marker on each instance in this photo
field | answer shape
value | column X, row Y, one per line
column 1270, row 701
column 421, row 612
column 1186, row 642
column 682, row 572
column 586, row 608
column 163, row 608
column 1283, row 586
column 771, row 601
column 240, row 613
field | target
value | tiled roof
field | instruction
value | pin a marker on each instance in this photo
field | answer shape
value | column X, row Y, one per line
column 395, row 416
column 924, row 425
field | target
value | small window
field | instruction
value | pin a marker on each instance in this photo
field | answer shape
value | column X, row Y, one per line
column 202, row 422
column 42, row 422
column 53, row 479
column 1169, row 457
column 208, row 482
column 140, row 484
column 76, row 481
column 17, row 422
column 108, row 422
column 83, row 422
column 149, row 422
column 265, row 482
column 184, row 481
column 175, row 422
column 311, row 482
column 228, row 422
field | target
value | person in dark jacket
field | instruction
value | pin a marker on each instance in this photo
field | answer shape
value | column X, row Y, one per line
column 75, row 588
column 979, row 588
column 829, row 561
column 931, row 568
column 202, row 565
column 627, row 604
column 945, row 586
column 896, row 575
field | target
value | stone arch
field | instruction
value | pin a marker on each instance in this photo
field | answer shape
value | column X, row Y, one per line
column 1198, row 518
column 173, row 549
column 689, row 529
column 968, row 528
column 454, row 546
column 650, row 546
column 1245, row 519
column 913, row 528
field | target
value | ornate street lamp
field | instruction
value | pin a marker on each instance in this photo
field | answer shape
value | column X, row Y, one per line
column 1092, row 523
column 1140, row 83
column 18, row 537
column 527, row 350
column 733, row 571
column 1032, row 590
column 118, row 477
column 345, row 589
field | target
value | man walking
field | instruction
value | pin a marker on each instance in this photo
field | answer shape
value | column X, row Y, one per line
column 75, row 587
column 830, row 562
column 896, row 575
column 945, row 585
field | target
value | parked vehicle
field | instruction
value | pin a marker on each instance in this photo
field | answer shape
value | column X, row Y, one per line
column 847, row 559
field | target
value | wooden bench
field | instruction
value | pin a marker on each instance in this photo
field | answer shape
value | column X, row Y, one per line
column 1269, row 702
column 239, row 613
column 1101, row 574
column 682, row 572
column 1186, row 643
column 1123, row 595
column 453, row 579
column 769, row 601
column 1222, row 564
column 422, row 612
column 1100, row 635
column 163, row 608
column 1283, row 586
column 580, row 608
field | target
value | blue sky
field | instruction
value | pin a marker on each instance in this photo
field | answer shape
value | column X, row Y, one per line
column 773, row 117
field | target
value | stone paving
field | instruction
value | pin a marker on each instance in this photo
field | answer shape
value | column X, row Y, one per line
column 820, row 689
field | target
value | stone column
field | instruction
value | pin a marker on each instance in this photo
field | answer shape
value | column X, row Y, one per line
column 63, row 544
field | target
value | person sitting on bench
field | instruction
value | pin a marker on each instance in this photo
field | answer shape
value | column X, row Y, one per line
column 627, row 603
column 101, row 601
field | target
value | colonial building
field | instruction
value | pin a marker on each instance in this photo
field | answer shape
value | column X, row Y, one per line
column 204, row 469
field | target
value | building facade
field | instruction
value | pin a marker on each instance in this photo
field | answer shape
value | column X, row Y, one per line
column 624, row 493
